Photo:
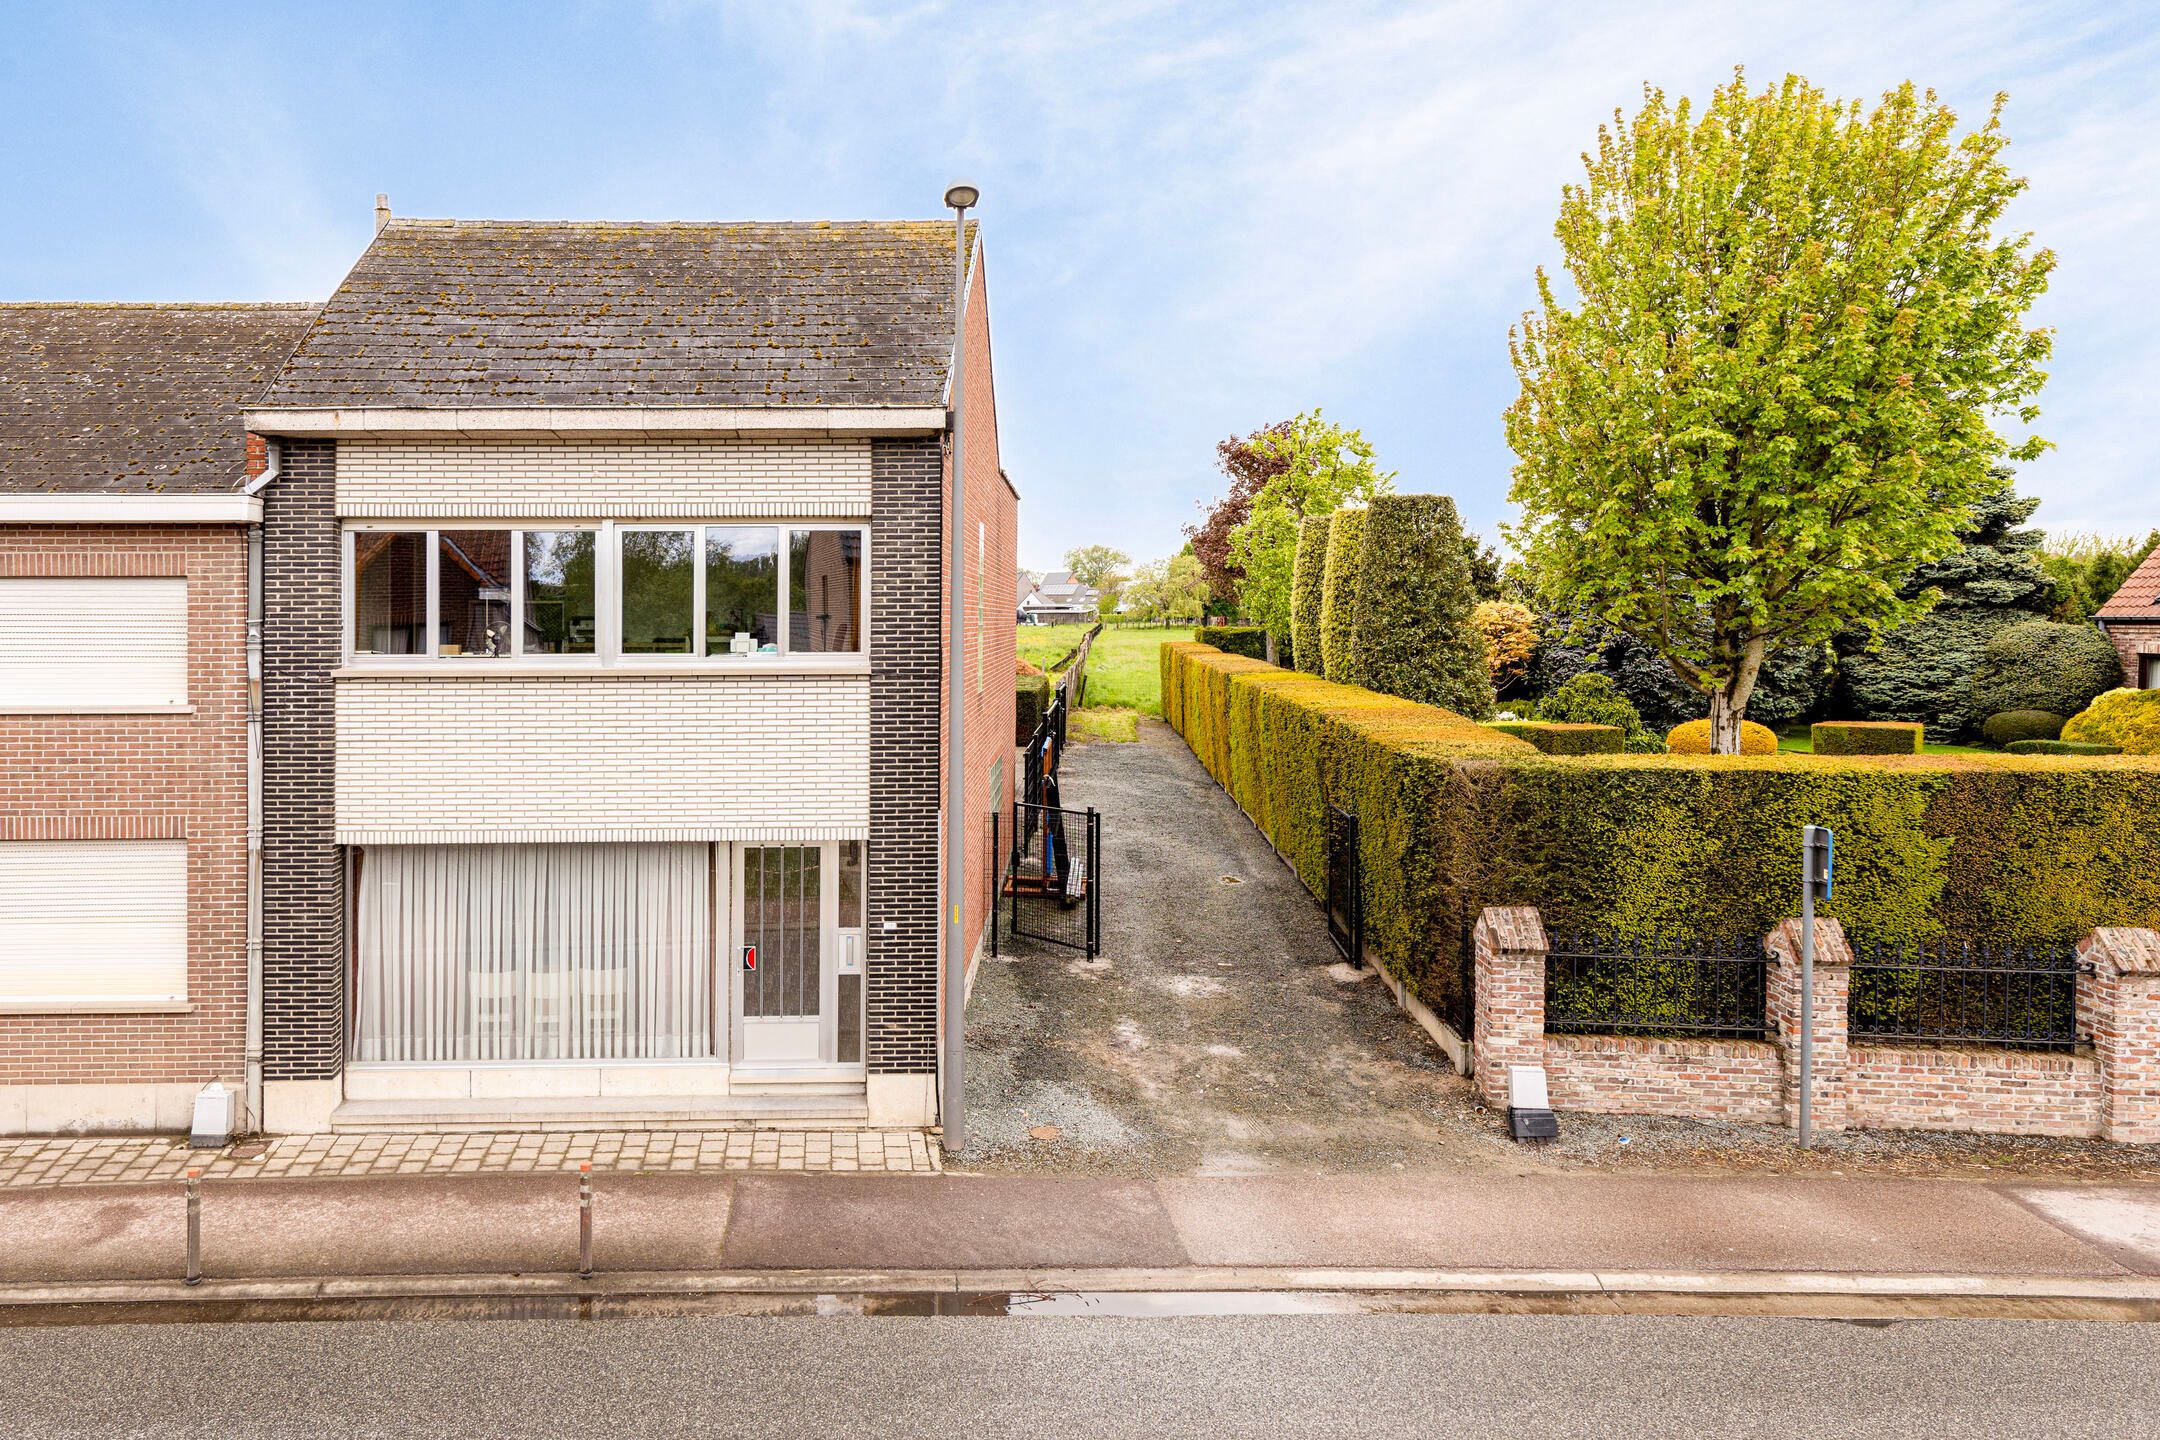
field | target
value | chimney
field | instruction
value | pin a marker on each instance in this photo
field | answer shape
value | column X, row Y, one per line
column 382, row 212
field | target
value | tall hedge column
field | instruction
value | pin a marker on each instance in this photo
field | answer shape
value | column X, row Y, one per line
column 1833, row 989
column 2123, row 1018
column 1508, row 969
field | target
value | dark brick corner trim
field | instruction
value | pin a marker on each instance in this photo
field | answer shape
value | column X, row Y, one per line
column 907, row 515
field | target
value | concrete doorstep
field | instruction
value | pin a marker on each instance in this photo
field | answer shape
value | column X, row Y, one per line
column 874, row 1243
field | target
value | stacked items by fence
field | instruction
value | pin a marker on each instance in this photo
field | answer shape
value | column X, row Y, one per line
column 2018, row 1040
column 1453, row 817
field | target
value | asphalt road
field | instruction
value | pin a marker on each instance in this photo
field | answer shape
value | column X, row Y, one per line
column 1362, row 1375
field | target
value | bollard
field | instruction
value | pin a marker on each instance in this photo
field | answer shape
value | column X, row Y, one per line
column 584, row 1220
column 194, row 1227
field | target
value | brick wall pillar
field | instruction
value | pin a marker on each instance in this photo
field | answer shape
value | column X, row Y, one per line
column 1508, row 971
column 2119, row 1006
column 1833, row 984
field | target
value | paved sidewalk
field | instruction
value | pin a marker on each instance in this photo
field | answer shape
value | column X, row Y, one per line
column 109, row 1160
column 868, row 1228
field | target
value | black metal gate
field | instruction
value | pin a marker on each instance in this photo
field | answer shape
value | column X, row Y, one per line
column 1345, row 886
column 1050, row 888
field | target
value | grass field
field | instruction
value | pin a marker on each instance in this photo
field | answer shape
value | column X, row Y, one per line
column 1121, row 668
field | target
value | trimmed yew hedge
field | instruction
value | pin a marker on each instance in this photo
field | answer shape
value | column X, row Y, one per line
column 1249, row 640
column 1562, row 737
column 1339, row 594
column 1865, row 737
column 1454, row 816
column 1307, row 571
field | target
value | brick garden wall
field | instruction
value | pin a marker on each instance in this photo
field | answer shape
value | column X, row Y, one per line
column 2112, row 1092
column 144, row 777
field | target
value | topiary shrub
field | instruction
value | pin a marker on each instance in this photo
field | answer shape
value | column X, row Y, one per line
column 1247, row 640
column 1693, row 738
column 1511, row 641
column 1415, row 637
column 1865, row 737
column 1647, row 743
column 2012, row 726
column 2127, row 719
column 1338, row 596
column 2042, row 665
column 1307, row 572
column 1555, row 738
column 2059, row 747
column 1591, row 699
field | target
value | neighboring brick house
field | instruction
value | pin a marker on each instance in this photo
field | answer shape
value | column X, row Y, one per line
column 2131, row 618
column 124, row 775
column 605, row 576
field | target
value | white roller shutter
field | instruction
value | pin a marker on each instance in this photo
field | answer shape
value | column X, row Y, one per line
column 95, row 921
column 94, row 643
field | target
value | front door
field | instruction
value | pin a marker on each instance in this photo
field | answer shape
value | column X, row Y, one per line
column 798, row 955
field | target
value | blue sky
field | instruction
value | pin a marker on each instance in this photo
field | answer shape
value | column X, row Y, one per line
column 1200, row 218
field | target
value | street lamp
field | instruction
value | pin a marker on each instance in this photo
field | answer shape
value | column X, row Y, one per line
column 960, row 196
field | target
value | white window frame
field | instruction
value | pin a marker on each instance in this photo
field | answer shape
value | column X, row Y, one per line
column 607, row 571
column 170, row 1000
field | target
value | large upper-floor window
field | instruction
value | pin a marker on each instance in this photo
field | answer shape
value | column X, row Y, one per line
column 633, row 591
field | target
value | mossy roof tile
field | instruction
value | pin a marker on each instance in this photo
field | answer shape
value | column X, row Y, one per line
column 517, row 313
column 134, row 399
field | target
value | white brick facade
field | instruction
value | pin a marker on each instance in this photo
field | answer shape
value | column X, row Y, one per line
column 608, row 757
column 623, row 479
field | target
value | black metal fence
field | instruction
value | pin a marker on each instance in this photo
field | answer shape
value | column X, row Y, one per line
column 2024, row 996
column 1601, row 985
column 1345, row 898
column 1047, row 883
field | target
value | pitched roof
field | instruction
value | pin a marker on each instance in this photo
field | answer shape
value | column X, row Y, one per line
column 2139, row 597
column 500, row 313
column 118, row 399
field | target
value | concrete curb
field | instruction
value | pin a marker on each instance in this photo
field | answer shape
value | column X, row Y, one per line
column 1188, row 1290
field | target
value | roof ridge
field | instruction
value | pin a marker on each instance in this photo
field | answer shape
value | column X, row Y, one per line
column 446, row 221
column 248, row 305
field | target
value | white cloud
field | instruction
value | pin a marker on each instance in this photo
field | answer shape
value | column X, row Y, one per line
column 1219, row 213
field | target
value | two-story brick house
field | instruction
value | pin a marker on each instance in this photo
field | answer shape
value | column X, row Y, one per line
column 125, row 878
column 602, row 701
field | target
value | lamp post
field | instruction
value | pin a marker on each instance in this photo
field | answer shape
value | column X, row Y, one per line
column 952, row 1108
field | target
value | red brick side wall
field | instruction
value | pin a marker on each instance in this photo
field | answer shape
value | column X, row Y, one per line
column 990, row 543
column 144, row 777
column 2112, row 1092
column 2132, row 642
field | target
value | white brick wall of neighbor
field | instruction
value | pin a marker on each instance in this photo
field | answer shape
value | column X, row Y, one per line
column 624, row 479
column 782, row 757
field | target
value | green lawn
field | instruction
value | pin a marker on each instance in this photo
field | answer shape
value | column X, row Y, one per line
column 1121, row 668
column 1804, row 743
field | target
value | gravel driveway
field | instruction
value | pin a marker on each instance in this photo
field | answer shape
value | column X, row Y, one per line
column 1217, row 1034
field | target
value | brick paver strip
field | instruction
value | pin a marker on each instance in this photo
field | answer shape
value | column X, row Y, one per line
column 123, row 1160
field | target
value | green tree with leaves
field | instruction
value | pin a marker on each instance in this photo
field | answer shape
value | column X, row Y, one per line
column 1771, row 395
column 1320, row 467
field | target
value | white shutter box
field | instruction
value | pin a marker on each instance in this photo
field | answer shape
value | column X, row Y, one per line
column 97, row 922
column 93, row 643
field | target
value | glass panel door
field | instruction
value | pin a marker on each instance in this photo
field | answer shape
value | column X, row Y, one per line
column 783, row 960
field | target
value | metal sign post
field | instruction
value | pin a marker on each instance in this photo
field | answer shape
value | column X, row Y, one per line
column 1816, row 867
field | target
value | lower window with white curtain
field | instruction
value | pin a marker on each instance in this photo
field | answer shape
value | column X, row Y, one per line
column 581, row 952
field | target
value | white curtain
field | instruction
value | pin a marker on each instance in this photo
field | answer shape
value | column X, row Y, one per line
column 534, row 952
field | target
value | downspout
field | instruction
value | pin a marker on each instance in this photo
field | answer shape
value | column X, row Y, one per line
column 254, row 1058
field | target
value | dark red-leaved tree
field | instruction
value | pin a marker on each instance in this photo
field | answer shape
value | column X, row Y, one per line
column 1249, row 469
